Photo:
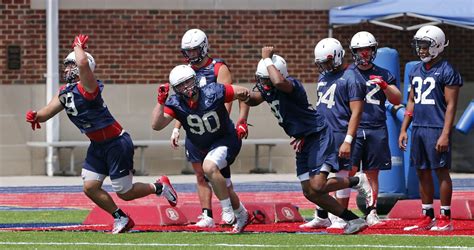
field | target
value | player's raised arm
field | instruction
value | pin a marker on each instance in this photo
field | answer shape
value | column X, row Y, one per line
column 277, row 77
column 83, row 61
column 160, row 119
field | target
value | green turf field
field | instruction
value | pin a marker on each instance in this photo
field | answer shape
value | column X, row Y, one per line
column 155, row 240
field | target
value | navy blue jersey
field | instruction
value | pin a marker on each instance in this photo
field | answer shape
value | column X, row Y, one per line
column 335, row 92
column 208, row 73
column 374, row 109
column 87, row 115
column 293, row 111
column 428, row 86
column 209, row 121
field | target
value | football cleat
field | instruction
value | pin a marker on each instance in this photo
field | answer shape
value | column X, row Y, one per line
column 355, row 226
column 424, row 223
column 168, row 190
column 228, row 216
column 122, row 224
column 372, row 218
column 242, row 220
column 316, row 223
column 205, row 221
column 336, row 222
column 443, row 223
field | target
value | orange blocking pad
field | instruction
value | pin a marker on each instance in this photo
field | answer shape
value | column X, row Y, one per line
column 267, row 212
column 411, row 209
column 142, row 215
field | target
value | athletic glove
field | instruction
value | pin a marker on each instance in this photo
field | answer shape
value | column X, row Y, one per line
column 81, row 41
column 379, row 81
column 242, row 129
column 174, row 138
column 31, row 117
column 297, row 144
column 163, row 91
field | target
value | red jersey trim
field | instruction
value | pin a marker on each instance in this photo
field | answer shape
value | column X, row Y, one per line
column 229, row 93
column 217, row 66
column 170, row 112
column 88, row 96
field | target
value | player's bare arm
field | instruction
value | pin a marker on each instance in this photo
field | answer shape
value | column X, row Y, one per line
column 255, row 98
column 225, row 77
column 50, row 110
column 88, row 80
column 403, row 138
column 451, row 94
column 392, row 93
column 356, row 114
column 277, row 79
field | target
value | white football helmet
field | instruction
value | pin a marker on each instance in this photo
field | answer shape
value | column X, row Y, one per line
column 279, row 63
column 194, row 39
column 363, row 39
column 181, row 74
column 74, row 72
column 432, row 37
column 328, row 49
column 262, row 77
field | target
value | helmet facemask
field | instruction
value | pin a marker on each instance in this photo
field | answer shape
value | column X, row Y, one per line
column 263, row 84
column 326, row 66
column 423, row 48
column 72, row 74
column 187, row 89
column 364, row 57
column 195, row 55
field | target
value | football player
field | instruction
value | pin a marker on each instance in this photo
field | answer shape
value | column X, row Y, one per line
column 371, row 152
column 212, row 134
column 431, row 108
column 110, row 152
column 195, row 49
column 314, row 144
column 340, row 101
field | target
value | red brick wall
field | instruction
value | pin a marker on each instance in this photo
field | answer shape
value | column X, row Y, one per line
column 142, row 46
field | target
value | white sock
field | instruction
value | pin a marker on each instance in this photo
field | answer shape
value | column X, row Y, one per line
column 226, row 203
column 426, row 206
column 240, row 209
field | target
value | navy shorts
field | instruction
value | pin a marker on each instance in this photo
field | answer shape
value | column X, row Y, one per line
column 423, row 154
column 344, row 164
column 371, row 148
column 197, row 155
column 112, row 157
column 318, row 149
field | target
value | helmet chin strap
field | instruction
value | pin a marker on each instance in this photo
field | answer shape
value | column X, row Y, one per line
column 426, row 59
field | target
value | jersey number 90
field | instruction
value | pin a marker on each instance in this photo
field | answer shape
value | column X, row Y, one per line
column 208, row 122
